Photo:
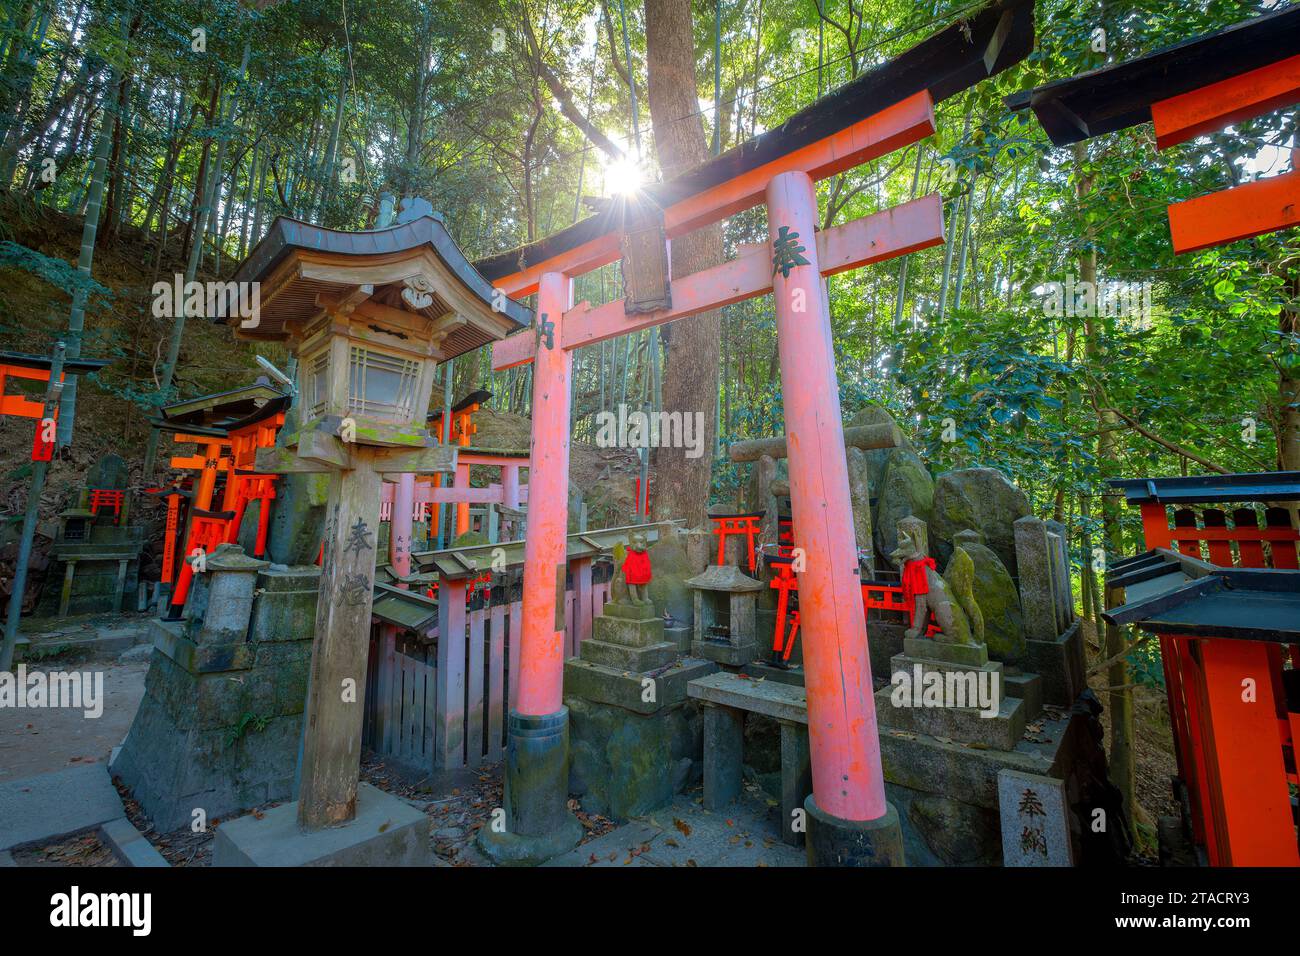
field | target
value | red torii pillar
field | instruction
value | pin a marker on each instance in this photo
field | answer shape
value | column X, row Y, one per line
column 848, row 783
column 849, row 822
column 538, row 824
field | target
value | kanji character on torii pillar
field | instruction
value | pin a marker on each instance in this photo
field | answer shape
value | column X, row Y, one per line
column 848, row 818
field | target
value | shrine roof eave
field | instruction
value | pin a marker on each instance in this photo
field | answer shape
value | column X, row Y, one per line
column 221, row 409
column 71, row 366
column 1167, row 592
column 1119, row 96
column 949, row 62
column 1209, row 489
column 297, row 261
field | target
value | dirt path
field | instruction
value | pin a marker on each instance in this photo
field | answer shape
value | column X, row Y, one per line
column 36, row 741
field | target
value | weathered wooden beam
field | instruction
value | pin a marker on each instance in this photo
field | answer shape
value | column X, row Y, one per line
column 894, row 127
column 430, row 460
column 1265, row 205
column 861, row 436
column 884, row 235
column 1229, row 101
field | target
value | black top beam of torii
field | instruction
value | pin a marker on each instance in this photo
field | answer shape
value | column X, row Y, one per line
column 978, row 46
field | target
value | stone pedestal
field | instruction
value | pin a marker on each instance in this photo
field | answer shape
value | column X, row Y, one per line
column 635, row 741
column 628, row 637
column 536, row 824
column 950, row 690
column 832, row 841
column 220, row 723
column 387, row 831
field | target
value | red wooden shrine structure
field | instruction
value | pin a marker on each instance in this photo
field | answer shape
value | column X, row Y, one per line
column 1234, row 712
column 1236, row 761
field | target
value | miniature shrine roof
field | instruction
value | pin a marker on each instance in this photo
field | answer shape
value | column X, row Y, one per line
column 296, row 262
column 1264, row 486
column 222, row 411
column 409, row 609
column 1173, row 593
column 952, row 60
column 71, row 366
column 1119, row 96
column 474, row 560
column 477, row 397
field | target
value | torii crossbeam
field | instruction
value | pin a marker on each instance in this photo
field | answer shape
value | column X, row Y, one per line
column 849, row 820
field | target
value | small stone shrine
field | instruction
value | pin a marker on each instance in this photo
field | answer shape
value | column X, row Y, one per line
column 726, row 620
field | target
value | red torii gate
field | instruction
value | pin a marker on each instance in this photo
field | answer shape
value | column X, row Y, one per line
column 849, row 820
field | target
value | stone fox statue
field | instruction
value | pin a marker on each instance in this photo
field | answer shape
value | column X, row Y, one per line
column 949, row 597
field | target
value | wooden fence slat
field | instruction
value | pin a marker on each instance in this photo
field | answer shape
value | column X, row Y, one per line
column 451, row 675
column 1186, row 518
column 496, row 685
column 1220, row 549
column 430, row 696
column 474, row 697
column 1284, row 555
column 1251, row 552
column 516, row 626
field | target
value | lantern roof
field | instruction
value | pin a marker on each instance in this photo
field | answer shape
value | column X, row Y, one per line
column 414, row 267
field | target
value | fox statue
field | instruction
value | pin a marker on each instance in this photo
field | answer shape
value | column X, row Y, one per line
column 950, row 597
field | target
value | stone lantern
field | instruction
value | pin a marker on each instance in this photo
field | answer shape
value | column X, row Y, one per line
column 367, row 316
column 726, row 615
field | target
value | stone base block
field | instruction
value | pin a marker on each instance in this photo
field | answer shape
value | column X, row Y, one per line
column 1026, row 687
column 387, row 831
column 968, row 655
column 681, row 637
column 537, row 824
column 635, row 660
column 609, row 685
column 905, row 662
column 832, row 841
column 965, row 724
column 732, row 655
column 1060, row 663
column 629, row 632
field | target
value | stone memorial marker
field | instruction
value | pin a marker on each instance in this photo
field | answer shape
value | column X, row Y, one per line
column 1035, row 820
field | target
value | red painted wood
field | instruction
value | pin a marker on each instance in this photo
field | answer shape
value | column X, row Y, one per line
column 1253, row 807
column 906, row 122
column 1215, row 523
column 1229, row 101
column 1284, row 553
column 1265, row 205
column 844, row 742
column 885, row 235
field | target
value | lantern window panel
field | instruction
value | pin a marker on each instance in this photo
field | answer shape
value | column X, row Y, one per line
column 381, row 385
column 318, row 384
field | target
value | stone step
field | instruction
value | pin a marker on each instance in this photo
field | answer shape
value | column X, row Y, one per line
column 627, row 631
column 965, row 725
column 633, row 659
column 970, row 655
column 1027, row 687
column 904, row 662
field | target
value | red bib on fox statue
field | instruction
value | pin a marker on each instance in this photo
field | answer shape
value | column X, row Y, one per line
column 914, row 583
column 636, row 567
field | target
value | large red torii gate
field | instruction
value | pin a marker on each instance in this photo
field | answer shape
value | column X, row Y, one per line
column 849, row 819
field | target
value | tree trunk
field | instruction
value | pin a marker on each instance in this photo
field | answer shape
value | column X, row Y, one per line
column 691, row 368
column 1118, row 677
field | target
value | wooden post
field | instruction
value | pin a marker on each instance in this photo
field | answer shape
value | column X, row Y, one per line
column 541, row 675
column 402, row 525
column 847, row 779
column 331, row 752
